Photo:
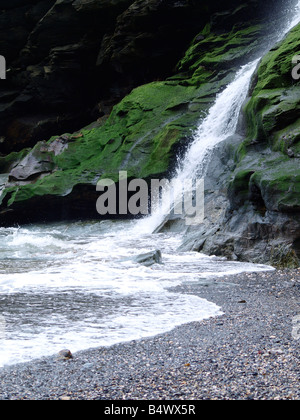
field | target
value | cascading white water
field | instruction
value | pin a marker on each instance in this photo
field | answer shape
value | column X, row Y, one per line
column 292, row 21
column 222, row 119
column 220, row 123
column 77, row 286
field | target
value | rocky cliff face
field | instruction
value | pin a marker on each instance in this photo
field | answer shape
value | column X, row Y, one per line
column 253, row 203
column 139, row 76
column 70, row 61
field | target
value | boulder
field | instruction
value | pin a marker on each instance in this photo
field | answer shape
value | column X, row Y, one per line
column 39, row 161
column 65, row 355
column 150, row 258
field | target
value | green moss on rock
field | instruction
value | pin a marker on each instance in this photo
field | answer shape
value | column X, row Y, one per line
column 238, row 190
column 283, row 257
column 9, row 161
column 275, row 101
column 211, row 52
column 146, row 130
column 271, row 149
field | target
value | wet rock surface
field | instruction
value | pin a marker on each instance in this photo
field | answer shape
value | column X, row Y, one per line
column 150, row 258
column 64, row 355
column 252, row 186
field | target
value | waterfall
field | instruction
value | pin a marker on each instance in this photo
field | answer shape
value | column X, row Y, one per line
column 220, row 123
column 294, row 20
column 78, row 285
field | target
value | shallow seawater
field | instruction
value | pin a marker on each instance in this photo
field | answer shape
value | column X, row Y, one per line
column 77, row 286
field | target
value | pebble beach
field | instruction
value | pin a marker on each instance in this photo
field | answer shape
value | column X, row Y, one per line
column 250, row 352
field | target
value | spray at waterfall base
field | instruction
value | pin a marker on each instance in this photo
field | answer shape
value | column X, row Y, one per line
column 138, row 197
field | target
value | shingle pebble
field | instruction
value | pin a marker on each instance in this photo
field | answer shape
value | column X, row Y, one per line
column 248, row 353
